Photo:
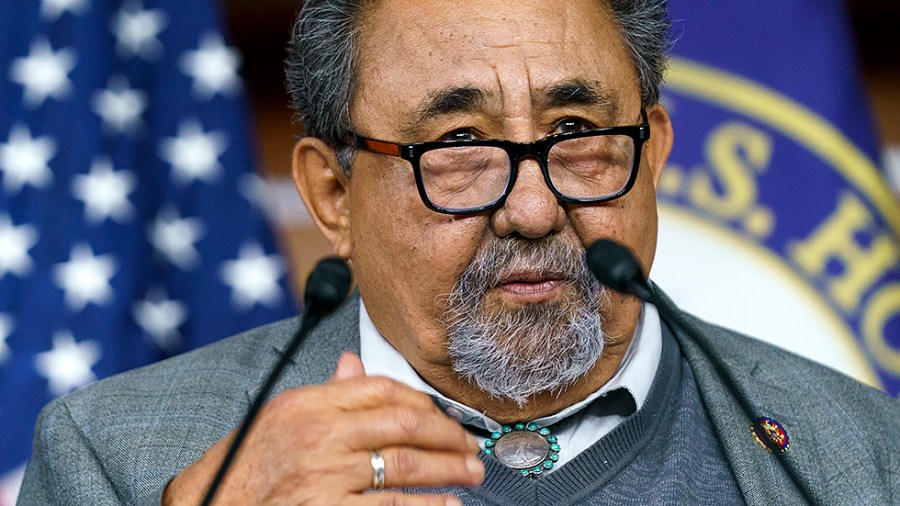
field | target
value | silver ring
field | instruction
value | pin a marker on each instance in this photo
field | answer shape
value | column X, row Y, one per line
column 377, row 470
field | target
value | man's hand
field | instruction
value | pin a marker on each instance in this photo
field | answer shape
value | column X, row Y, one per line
column 312, row 445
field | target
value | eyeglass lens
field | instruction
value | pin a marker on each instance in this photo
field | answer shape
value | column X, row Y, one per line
column 468, row 177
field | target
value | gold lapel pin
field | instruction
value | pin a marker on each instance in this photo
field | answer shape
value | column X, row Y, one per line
column 770, row 434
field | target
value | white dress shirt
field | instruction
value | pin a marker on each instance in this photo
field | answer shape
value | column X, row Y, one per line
column 581, row 428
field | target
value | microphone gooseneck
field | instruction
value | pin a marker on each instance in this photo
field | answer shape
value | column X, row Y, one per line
column 614, row 266
column 326, row 288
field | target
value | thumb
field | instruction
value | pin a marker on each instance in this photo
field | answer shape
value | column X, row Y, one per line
column 348, row 366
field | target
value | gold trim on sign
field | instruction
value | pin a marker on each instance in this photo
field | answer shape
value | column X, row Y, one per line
column 793, row 120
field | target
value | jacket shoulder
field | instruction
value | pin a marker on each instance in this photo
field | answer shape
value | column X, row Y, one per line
column 785, row 369
column 216, row 369
column 120, row 439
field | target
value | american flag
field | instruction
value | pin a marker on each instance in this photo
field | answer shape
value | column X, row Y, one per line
column 130, row 227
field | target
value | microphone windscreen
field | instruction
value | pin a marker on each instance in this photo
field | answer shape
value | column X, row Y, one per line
column 614, row 266
column 328, row 284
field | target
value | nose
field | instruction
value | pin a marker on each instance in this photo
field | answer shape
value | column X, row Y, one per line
column 530, row 209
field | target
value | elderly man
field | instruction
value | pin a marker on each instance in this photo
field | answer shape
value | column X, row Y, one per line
column 462, row 155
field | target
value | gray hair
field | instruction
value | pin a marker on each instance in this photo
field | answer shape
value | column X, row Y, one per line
column 321, row 62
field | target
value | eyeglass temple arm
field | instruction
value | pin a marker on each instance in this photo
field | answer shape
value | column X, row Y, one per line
column 375, row 146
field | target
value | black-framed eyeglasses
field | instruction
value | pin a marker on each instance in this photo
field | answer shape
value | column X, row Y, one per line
column 473, row 176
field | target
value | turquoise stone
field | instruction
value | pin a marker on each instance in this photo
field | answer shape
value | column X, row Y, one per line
column 515, row 447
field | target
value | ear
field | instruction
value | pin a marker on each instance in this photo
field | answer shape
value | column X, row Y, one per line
column 659, row 145
column 325, row 190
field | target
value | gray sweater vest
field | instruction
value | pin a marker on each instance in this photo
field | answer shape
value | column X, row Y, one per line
column 664, row 454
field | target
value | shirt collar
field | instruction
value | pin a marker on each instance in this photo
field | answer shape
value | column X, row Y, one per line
column 634, row 374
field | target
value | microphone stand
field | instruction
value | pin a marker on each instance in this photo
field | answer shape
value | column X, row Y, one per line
column 615, row 267
column 326, row 288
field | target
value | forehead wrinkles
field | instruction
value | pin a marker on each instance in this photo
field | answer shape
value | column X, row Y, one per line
column 522, row 65
column 419, row 51
column 513, row 81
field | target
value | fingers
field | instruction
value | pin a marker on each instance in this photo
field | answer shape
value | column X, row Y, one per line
column 397, row 499
column 420, row 424
column 429, row 429
column 406, row 417
column 410, row 466
column 362, row 392
column 407, row 467
column 432, row 451
column 348, row 366
column 327, row 453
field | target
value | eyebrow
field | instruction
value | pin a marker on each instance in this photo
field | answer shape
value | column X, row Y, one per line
column 462, row 99
column 579, row 92
column 444, row 102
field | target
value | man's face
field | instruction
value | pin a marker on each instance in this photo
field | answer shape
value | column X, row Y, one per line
column 517, row 70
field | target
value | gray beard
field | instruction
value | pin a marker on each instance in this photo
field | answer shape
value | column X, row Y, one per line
column 515, row 353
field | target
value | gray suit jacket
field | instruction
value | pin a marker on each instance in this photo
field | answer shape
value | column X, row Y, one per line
column 122, row 439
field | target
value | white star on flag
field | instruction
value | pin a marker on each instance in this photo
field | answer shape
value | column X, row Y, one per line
column 105, row 193
column 85, row 277
column 253, row 277
column 51, row 10
column 6, row 328
column 136, row 31
column 213, row 67
column 194, row 154
column 68, row 365
column 119, row 106
column 24, row 160
column 14, row 245
column 160, row 318
column 174, row 238
column 43, row 73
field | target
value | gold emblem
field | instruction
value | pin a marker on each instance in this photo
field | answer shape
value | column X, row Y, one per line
column 770, row 434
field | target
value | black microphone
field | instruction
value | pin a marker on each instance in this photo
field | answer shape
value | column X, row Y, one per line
column 616, row 267
column 326, row 288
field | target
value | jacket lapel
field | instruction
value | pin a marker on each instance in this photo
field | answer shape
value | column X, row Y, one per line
column 756, row 470
column 823, row 455
column 317, row 356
